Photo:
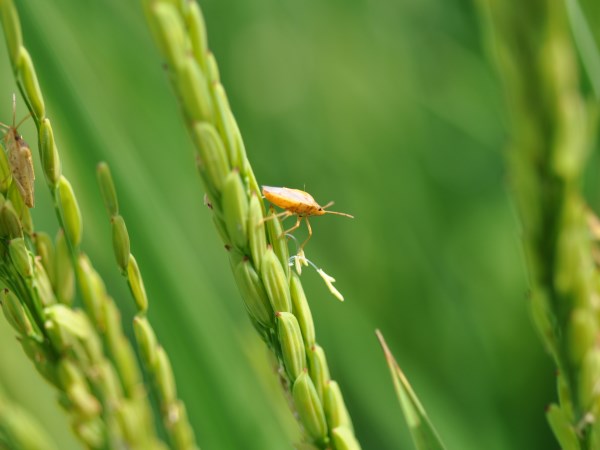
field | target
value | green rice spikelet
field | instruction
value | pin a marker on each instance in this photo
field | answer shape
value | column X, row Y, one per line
column 120, row 239
column 136, row 284
column 275, row 282
column 49, row 154
column 30, row 84
column 107, row 189
column 309, row 408
column 70, row 212
column 235, row 210
column 292, row 347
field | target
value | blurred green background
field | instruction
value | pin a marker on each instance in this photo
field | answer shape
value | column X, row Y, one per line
column 390, row 108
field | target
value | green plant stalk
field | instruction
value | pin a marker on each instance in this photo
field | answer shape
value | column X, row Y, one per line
column 59, row 340
column 66, row 349
column 158, row 367
column 113, row 375
column 258, row 253
column 53, row 336
column 552, row 129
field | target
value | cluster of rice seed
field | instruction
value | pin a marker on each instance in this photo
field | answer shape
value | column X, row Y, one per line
column 272, row 294
column 155, row 358
column 553, row 126
column 19, row 430
column 83, row 353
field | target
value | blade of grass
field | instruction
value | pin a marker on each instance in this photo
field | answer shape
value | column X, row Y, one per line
column 584, row 39
column 19, row 430
column 423, row 433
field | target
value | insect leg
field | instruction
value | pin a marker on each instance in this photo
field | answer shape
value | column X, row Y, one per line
column 284, row 214
column 309, row 235
column 295, row 227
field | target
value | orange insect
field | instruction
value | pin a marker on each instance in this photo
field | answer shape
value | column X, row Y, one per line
column 19, row 158
column 299, row 203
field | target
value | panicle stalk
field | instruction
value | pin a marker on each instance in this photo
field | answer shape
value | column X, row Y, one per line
column 83, row 353
column 553, row 122
column 156, row 360
column 272, row 294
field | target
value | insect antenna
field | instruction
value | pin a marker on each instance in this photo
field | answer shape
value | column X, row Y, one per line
column 340, row 214
column 335, row 212
column 23, row 120
column 14, row 109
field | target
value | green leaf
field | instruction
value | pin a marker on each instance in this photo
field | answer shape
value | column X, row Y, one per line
column 583, row 17
column 423, row 433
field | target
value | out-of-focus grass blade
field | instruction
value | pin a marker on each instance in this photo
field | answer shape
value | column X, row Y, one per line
column 586, row 42
column 423, row 433
column 19, row 430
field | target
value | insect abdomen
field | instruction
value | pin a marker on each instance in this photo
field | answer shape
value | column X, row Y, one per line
column 21, row 166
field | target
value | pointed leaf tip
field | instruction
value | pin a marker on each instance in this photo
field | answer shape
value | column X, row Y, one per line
column 423, row 433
